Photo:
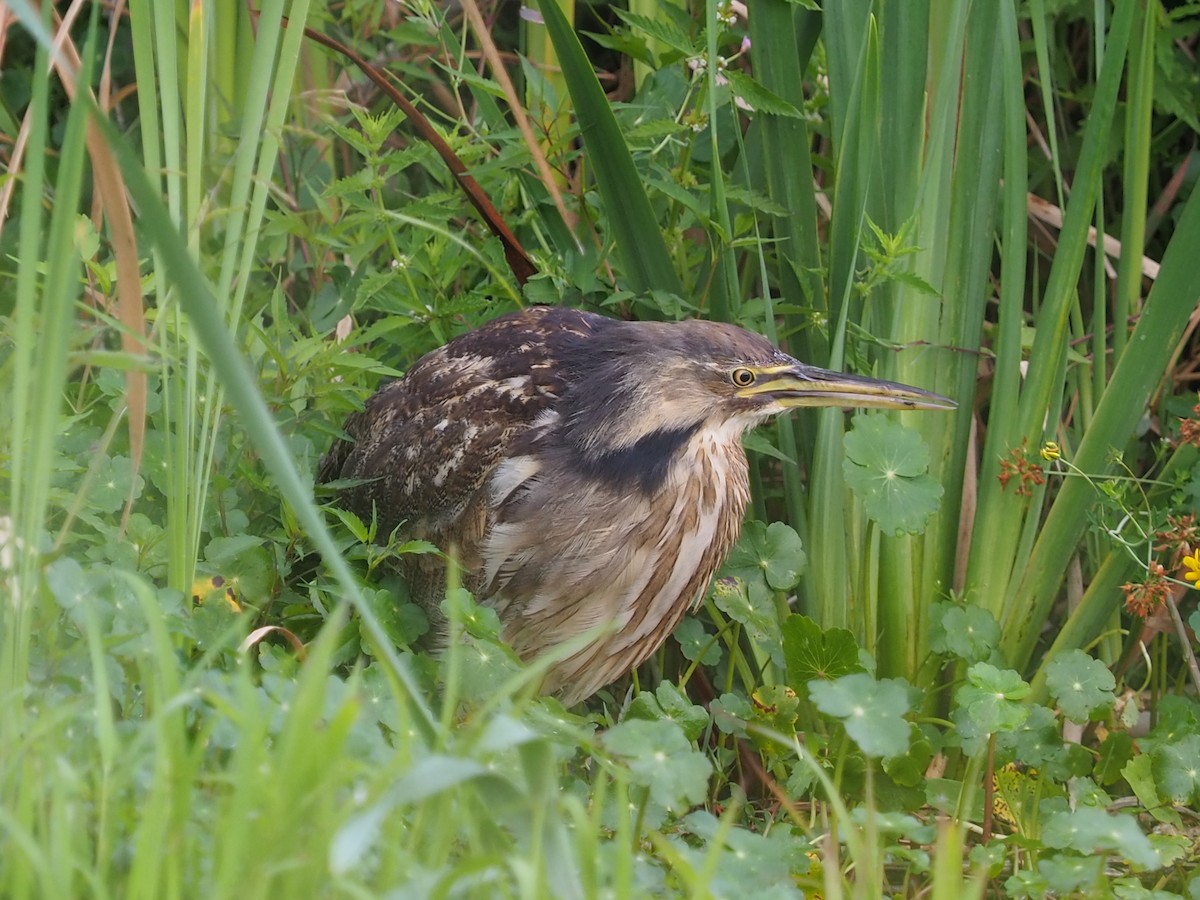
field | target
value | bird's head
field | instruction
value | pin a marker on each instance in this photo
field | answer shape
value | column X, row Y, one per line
column 639, row 382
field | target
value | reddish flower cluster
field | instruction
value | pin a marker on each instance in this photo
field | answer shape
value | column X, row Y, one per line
column 1181, row 534
column 1189, row 429
column 1018, row 464
column 1144, row 597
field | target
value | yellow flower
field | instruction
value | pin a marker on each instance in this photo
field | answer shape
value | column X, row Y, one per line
column 1050, row 451
column 1192, row 564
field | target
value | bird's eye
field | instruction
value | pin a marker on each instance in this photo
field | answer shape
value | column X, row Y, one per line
column 742, row 377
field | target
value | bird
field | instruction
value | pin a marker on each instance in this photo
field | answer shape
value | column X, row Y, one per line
column 586, row 473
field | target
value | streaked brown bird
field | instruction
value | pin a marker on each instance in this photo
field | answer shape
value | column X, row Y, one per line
column 586, row 471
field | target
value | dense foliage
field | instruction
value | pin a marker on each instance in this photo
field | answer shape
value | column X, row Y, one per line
column 951, row 654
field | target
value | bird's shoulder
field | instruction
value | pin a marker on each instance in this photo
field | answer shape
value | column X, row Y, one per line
column 425, row 444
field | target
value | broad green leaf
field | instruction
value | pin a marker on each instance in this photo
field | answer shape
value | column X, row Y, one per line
column 908, row 769
column 662, row 759
column 777, row 706
column 1083, row 686
column 991, row 698
column 886, row 466
column 752, row 604
column 1065, row 873
column 1139, row 773
column 696, row 643
column 1091, row 830
column 113, row 479
column 751, row 864
column 245, row 563
column 773, row 552
column 969, row 632
column 1036, row 741
column 811, row 653
column 1115, row 753
column 668, row 702
column 730, row 713
column 1177, row 768
column 872, row 711
column 404, row 622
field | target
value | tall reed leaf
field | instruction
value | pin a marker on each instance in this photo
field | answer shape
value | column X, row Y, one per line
column 639, row 242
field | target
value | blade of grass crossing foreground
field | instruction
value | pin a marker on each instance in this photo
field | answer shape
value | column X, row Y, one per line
column 153, row 28
column 213, row 334
column 27, row 496
column 640, row 244
column 253, row 170
column 45, row 323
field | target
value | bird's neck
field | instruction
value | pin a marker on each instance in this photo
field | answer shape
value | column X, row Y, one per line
column 661, row 456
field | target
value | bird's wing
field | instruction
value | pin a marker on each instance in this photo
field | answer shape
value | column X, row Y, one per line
column 425, row 445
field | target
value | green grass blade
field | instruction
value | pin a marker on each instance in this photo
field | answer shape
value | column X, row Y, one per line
column 634, row 227
column 1137, row 375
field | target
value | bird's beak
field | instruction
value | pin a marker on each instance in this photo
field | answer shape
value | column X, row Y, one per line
column 799, row 385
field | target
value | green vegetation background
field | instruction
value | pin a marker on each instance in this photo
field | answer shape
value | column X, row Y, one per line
column 952, row 654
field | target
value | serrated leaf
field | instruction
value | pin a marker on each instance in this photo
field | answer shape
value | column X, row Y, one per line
column 761, row 99
column 730, row 713
column 757, row 201
column 773, row 552
column 886, row 467
column 1177, row 768
column 696, row 643
column 813, row 654
column 1091, row 830
column 660, row 758
column 661, row 31
column 1139, row 773
column 752, row 605
column 969, row 632
column 668, row 702
column 991, row 698
column 871, row 711
column 1081, row 685
column 756, row 442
